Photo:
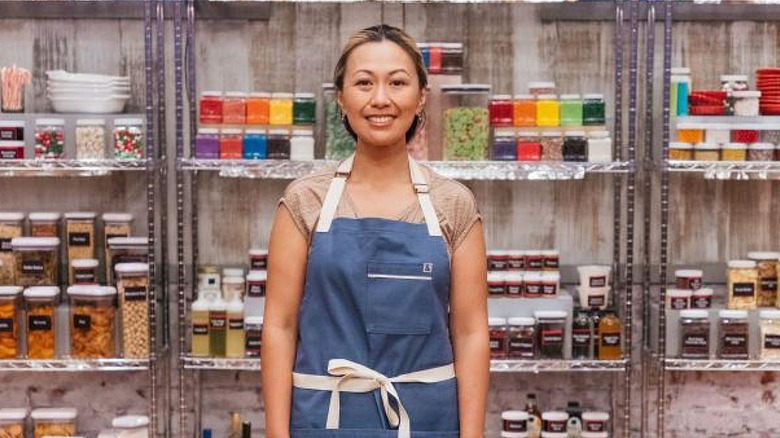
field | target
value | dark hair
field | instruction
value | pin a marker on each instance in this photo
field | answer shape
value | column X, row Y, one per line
column 377, row 34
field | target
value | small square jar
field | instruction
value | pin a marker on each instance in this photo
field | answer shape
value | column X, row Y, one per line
column 706, row 152
column 54, row 422
column 92, row 319
column 44, row 224
column 116, row 225
column 41, row 321
column 733, row 152
column 10, row 311
column 80, row 235
column 36, row 260
column 679, row 151
column 761, row 152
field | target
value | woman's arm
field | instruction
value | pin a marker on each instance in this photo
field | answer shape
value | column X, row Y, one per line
column 468, row 324
column 287, row 255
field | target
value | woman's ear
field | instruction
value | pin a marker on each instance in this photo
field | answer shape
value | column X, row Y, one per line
column 423, row 99
column 339, row 100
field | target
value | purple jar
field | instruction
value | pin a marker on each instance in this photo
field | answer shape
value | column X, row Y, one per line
column 207, row 144
column 504, row 147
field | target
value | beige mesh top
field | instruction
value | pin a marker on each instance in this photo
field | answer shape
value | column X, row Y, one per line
column 454, row 203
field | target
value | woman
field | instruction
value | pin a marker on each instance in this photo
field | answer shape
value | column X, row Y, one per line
column 376, row 295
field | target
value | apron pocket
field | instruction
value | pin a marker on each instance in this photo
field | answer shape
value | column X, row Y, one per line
column 400, row 298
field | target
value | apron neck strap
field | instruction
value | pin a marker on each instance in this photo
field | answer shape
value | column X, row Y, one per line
column 339, row 182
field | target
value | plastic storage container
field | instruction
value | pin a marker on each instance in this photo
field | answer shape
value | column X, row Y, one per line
column 254, row 335
column 207, row 144
column 257, row 108
column 231, row 143
column 742, row 285
column 11, row 150
column 131, row 426
column 258, row 258
column 746, row 103
column 133, row 290
column 234, row 108
column 49, row 138
column 83, row 272
column 125, row 250
column 571, row 110
column 44, row 224
column 304, row 109
column 498, row 338
column 538, row 88
column 733, row 152
column 681, row 151
column 91, row 139
column 706, row 152
column 733, row 334
column 281, row 109
column 504, row 146
column 116, row 225
column 766, row 267
column 551, row 333
column 302, row 145
column 593, row 110
column 80, row 235
column 515, row 422
column 12, row 422
column 466, row 121
column 11, row 226
column 92, row 319
column 211, row 104
column 769, row 330
column 36, row 260
column 694, row 334
column 548, row 110
column 599, row 147
column 529, row 146
column 524, row 108
column 12, row 130
column 522, row 343
column 575, row 146
column 501, row 110
column 552, row 146
column 10, row 310
column 451, row 58
column 278, row 145
column 761, row 152
column 255, row 144
column 41, row 321
column 690, row 279
column 54, row 422
column 129, row 139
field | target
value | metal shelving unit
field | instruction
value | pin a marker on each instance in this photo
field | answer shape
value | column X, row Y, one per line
column 74, row 365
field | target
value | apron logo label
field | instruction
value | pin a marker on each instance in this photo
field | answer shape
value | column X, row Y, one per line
column 427, row 268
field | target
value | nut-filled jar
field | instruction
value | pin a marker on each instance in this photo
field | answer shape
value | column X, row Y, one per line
column 552, row 146
column 41, row 321
column 769, row 329
column 80, row 235
column 742, row 284
column 92, row 318
column 551, row 333
column 44, row 224
column 116, row 225
column 12, row 422
column 49, row 138
column 90, row 139
column 10, row 309
column 11, row 226
column 498, row 338
column 254, row 336
column 133, row 288
column 733, row 334
column 54, row 422
column 466, row 121
column 694, row 334
column 766, row 265
column 36, row 260
column 129, row 139
column 680, row 151
column 83, row 271
column 125, row 250
column 761, row 152
column 689, row 278
column 522, row 338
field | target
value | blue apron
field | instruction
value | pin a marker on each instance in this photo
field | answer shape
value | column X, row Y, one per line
column 374, row 356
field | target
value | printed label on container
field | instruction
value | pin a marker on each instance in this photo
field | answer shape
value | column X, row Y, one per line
column 496, row 289
column 256, row 289
column 554, row 426
column 596, row 426
column 552, row 337
column 521, row 347
column 746, row 290
column 695, row 340
column 253, row 343
column 702, row 302
column 135, row 293
column 551, row 263
column 497, row 264
column 11, row 153
column 259, row 263
column 5, row 244
column 39, row 323
column 32, row 267
column 678, row 303
column 535, row 263
column 549, row 290
column 514, row 288
column 236, row 324
column 497, row 344
column 79, row 239
column 8, row 134
column 111, row 236
column 84, row 276
column 772, row 342
column 515, row 426
column 516, row 264
column 595, row 301
column 610, row 339
column 533, row 290
column 580, row 337
column 217, row 321
column 200, row 329
column 83, row 322
column 769, row 284
column 735, row 341
column 598, row 281
column 6, row 325
column 691, row 283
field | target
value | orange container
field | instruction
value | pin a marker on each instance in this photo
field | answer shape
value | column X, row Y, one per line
column 257, row 108
column 524, row 107
column 692, row 136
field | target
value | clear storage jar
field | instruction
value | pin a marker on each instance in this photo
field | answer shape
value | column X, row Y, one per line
column 257, row 108
column 702, row 298
column 304, row 109
column 302, row 145
column 231, row 143
column 694, row 334
column 593, row 110
column 571, row 110
column 504, row 146
column 258, row 258
column 452, row 58
column 524, row 109
column 746, row 103
column 11, row 226
column 529, row 146
column 761, row 152
column 12, row 422
column 255, row 144
column 44, row 224
column 49, row 138
column 116, row 225
column 280, row 109
column 498, row 338
column 733, row 334
column 466, row 121
column 234, row 108
column 680, row 151
column 207, row 144
column 522, row 338
column 211, row 105
column 548, row 110
column 575, row 146
column 36, row 260
column 339, row 144
column 742, row 284
column 599, row 147
column 12, row 130
column 769, row 329
column 131, row 426
column 133, row 290
column 278, row 145
column 10, row 310
column 92, row 319
column 690, row 279
column 54, row 422
column 41, row 321
column 80, row 235
column 766, row 266
column 733, row 152
column 706, row 152
column 83, row 272
column 11, row 150
column 125, row 250
column 233, row 287
column 496, row 282
column 129, row 139
column 678, row 299
column 91, row 139
column 551, row 333
column 501, row 110
column 552, row 146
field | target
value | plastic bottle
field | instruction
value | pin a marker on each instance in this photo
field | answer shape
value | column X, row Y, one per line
column 235, row 328
column 200, row 328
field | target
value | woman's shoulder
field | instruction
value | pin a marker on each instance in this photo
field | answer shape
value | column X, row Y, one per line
column 456, row 206
column 311, row 187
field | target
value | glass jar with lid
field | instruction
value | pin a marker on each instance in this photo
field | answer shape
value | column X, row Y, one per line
column 10, row 310
column 548, row 110
column 304, row 109
column 571, row 110
column 12, row 422
column 231, row 144
column 278, row 144
column 302, row 144
column 733, row 334
column 466, row 121
column 36, row 260
column 339, row 144
column 733, row 152
column 575, row 146
column 92, row 318
column 49, row 138
column 125, row 250
column 706, row 152
column 694, row 334
column 599, row 147
column 522, row 338
column 680, row 151
column 133, row 292
column 742, row 284
column 504, row 147
column 257, row 108
column 501, row 110
column 131, row 426
column 766, row 266
column 54, row 422
column 593, row 110
column 769, row 328
column 498, row 337
column 702, row 298
column 207, row 144
column 129, row 139
column 91, row 139
column 761, row 152
column 255, row 144
column 552, row 146
column 746, row 103
column 529, row 146
column 280, row 109
column 524, row 108
column 41, row 321
column 11, row 226
column 44, row 224
column 234, row 108
column 551, row 332
column 211, row 107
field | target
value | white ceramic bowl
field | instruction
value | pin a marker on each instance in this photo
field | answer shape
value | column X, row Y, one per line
column 82, row 87
column 110, row 105
column 84, row 77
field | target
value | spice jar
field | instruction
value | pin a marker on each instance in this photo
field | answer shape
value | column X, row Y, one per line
column 524, row 110
column 501, row 110
column 49, row 138
column 12, row 424
column 44, row 224
column 498, row 337
column 746, row 103
column 571, row 110
column 609, row 337
column 302, row 145
column 466, row 121
column 254, row 335
column 131, row 426
column 551, row 332
column 514, row 284
column 80, row 235
column 504, row 146
column 689, row 278
column 538, row 88
column 257, row 108
column 339, row 143
column 498, row 260
column 554, row 421
column 90, row 139
column 550, row 260
column 717, row 135
column 694, row 334
column 232, row 287
column 116, row 225
column 552, row 146
column 280, row 109
column 125, row 250
column 255, row 144
column 702, row 298
column 766, row 264
column 10, row 228
column 12, row 130
column 129, row 139
column 200, row 327
column 522, row 338
column 761, row 152
column 769, row 328
column 92, row 316
column 548, row 110
column 515, row 422
column 515, row 260
column 304, row 109
column 54, row 422
column 575, row 146
column 550, row 284
column 496, row 282
column 599, row 147
column 41, row 321
column 258, row 258
column 452, row 58
column 534, row 260
column 133, row 289
column 734, row 152
column 742, row 284
column 678, row 299
column 533, row 284
column 529, row 146
column 691, row 136
column 680, row 151
column 211, row 107
column 593, row 110
column 231, row 142
column 207, row 144
column 9, row 322
column 744, row 136
column 36, row 260
column 278, row 144
column 594, row 421
column 11, row 150
column 234, row 108
column 706, row 152
column 83, row 271
column 733, row 332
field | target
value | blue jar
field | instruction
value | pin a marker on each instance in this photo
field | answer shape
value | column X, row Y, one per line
column 255, row 144
column 504, row 146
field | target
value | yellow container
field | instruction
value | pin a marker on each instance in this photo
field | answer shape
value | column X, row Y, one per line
column 281, row 109
column 733, row 152
column 548, row 110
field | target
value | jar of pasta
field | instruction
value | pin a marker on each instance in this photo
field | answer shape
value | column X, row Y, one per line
column 133, row 289
column 92, row 317
column 769, row 327
column 9, row 322
column 10, row 228
column 44, row 224
column 12, row 422
column 36, row 260
column 742, row 284
column 41, row 321
column 80, row 235
column 766, row 265
column 54, row 422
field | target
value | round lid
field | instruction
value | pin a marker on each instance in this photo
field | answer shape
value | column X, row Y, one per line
column 496, row 322
column 80, row 215
column 465, row 88
column 260, row 94
column 763, row 255
column 41, row 292
column 733, row 78
column 570, row 97
column 257, row 276
column 554, row 434
column 688, row 273
column 231, row 131
column 84, row 263
column 598, row 134
column 7, row 291
column 761, row 146
column 128, row 241
column 525, row 97
column 548, row 97
column 304, row 95
column 11, row 144
column 211, row 93
column 735, row 146
column 555, row 416
column 117, row 217
column 703, row 292
column 595, row 416
column 91, row 291
column 501, row 97
column 495, row 276
column 254, row 132
column 13, row 414
column 514, row 415
column 769, row 314
column 550, row 276
column 278, row 132
column 11, row 217
column 131, row 268
column 521, row 320
column 593, row 96
column 575, row 133
column 90, row 122
column 11, row 123
column 679, row 293
column 541, row 85
column 49, row 122
column 550, row 314
column 694, row 313
column 236, row 94
column 330, row 86
column 233, row 272
column 54, row 414
column 733, row 314
column 123, row 122
column 303, row 132
column 746, row 93
column 232, row 279
column 282, row 95
column 552, row 134
column 594, row 435
column 253, row 320
column 680, row 145
column 44, row 217
column 498, row 253
column 706, row 147
column 533, row 276
column 742, row 264
column 681, row 71
column 419, row 45
column 208, row 131
column 258, row 252
column 130, row 421
column 35, row 242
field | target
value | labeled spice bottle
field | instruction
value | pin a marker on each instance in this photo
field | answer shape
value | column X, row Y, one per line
column 80, row 235
column 571, row 110
column 302, row 145
column 610, row 345
column 258, row 108
column 552, row 146
column 504, row 146
column 501, row 110
column 254, row 335
column 125, row 250
column 129, row 139
column 496, row 282
column 12, row 422
column 550, row 284
column 678, row 299
column 746, row 103
column 92, row 318
column 234, row 108
column 498, row 260
column 769, row 329
column 733, row 339
column 498, row 338
column 255, row 145
column 211, row 104
column 200, row 328
column 534, row 260
column 36, row 260
column 689, row 278
column 599, row 147
column 339, row 144
column 761, row 152
column 524, row 110
column 690, row 136
column 529, row 146
column 49, row 138
column 133, row 288
column 551, row 332
column 551, row 260
column 258, row 259
column 11, row 150
column 10, row 309
column 452, row 58
column 702, row 298
column 554, row 422
column 548, row 110
column 744, row 136
column 733, row 152
column 281, row 109
column 539, row 88
column 575, row 146
column 83, row 271
column 581, row 336
column 515, row 260
column 90, row 139
column 514, row 284
column 217, row 327
column 11, row 226
column 44, row 224
column 54, row 422
column 207, row 144
column 235, row 341
column 766, row 264
column 116, row 225
column 304, row 109
column 533, row 284
column 522, row 338
column 12, row 130
column 593, row 110
column 595, row 422
column 41, row 321
column 231, row 144
column 706, row 152
column 742, row 284
column 694, row 334
column 278, row 144
column 680, row 151
column 515, row 422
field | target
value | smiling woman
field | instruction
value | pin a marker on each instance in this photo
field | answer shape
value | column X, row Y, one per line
column 365, row 302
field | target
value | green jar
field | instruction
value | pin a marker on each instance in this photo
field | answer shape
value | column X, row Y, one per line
column 593, row 110
column 571, row 110
column 304, row 109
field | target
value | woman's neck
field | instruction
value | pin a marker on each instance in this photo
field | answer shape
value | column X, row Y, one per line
column 381, row 166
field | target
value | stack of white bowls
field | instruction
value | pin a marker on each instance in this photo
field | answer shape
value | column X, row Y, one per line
column 594, row 286
column 87, row 93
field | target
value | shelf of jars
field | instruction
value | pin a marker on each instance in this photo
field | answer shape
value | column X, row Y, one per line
column 463, row 170
column 676, row 364
column 72, row 365
column 68, row 168
column 758, row 123
column 738, row 170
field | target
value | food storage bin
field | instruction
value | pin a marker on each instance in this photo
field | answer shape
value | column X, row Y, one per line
column 769, row 329
column 231, row 143
column 11, row 150
column 36, row 260
column 694, row 334
column 742, row 284
column 761, row 152
column 49, row 138
column 281, row 109
column 529, row 146
column 466, row 121
column 302, row 144
column 690, row 279
column 44, row 224
column 599, row 147
column 254, row 335
column 83, row 271
column 554, row 422
column 129, row 139
column 548, row 110
column 304, row 109
column 255, row 144
column 131, row 426
column 211, row 105
column 257, row 108
column 12, row 422
column 593, row 110
column 91, row 139
column 339, row 144
column 744, row 136
column 504, row 146
column 10, row 309
column 125, row 250
column 498, row 336
column 133, row 289
column 41, row 321
column 571, row 110
column 702, row 298
column 680, row 151
column 501, row 110
column 551, row 333
column 278, row 144
column 522, row 338
column 552, row 146
column 92, row 318
column 451, row 58
column 706, row 152
column 12, row 130
column 234, row 108
column 11, row 226
column 80, row 235
column 538, row 88
column 746, row 103
column 733, row 152
column 207, row 144
column 54, row 422
column 524, row 108
column 575, row 146
column 766, row 266
column 116, row 225
column 733, row 334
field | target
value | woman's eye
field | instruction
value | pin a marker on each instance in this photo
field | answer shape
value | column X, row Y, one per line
column 362, row 82
column 398, row 83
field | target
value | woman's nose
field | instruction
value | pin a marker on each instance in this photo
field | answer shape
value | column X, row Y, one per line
column 380, row 97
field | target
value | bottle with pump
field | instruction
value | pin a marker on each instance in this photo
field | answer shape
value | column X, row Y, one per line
column 574, row 425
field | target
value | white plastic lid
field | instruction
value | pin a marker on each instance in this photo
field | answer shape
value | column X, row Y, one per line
column 521, row 320
column 257, row 275
column 132, row 268
column 513, row 434
column 495, row 276
column 496, row 322
column 7, row 291
column 12, row 123
column 533, row 276
column 130, row 422
column 91, row 291
column 763, row 255
column 117, row 217
column 526, row 134
column 761, row 146
column 694, row 313
column 769, row 314
column 680, row 145
column 548, row 97
column 688, row 273
column 282, row 95
column 733, row 78
column 498, row 252
column 452, row 45
column 570, row 97
column 233, row 272
column 11, row 217
column 84, row 263
column 593, row 96
column 54, row 414
column 211, row 93
column 106, row 433
column 541, row 85
column 504, row 133
column 278, row 132
column 217, row 305
column 201, row 304
column 49, row 122
column 128, row 241
column 742, row 264
column 208, row 131
column 513, row 277
column 13, row 414
column 235, row 94
column 594, row 435
column 41, row 292
column 554, row 434
column 679, row 293
column 90, row 122
column 550, row 276
column 11, row 144
column 258, row 252
column 552, row 134
column 501, row 97
column 303, row 132
column 261, row 94
column 253, row 320
column 595, row 416
column 44, row 217
column 746, row 93
column 514, row 415
column 126, row 122
column 555, row 416
column 254, row 131
column 575, row 133
column 598, row 134
column 233, row 279
column 549, row 314
column 733, row 314
column 80, row 215
column 525, row 97
column 706, row 147
column 35, row 242
column 680, row 71
column 734, row 146
column 231, row 131
column 304, row 95
column 703, row 292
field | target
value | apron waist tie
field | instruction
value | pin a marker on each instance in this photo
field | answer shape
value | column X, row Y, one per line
column 349, row 376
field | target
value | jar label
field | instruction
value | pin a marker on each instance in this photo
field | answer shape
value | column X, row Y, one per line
column 769, row 284
column 79, row 239
column 735, row 341
column 600, row 281
column 521, row 346
column 496, row 289
column 551, row 263
column 135, row 293
column 200, row 329
column 554, row 426
column 256, row 289
column 5, row 244
column 772, row 341
column 535, row 263
column 6, row 325
column 111, row 236
column 32, row 267
column 83, row 322
column 550, row 289
column 552, row 337
column 596, row 301
column 497, row 264
column 596, row 426
column 11, row 153
column 692, row 283
column 7, row 134
column 515, row 426
column 610, row 339
column 217, row 321
column 514, row 288
column 497, row 343
column 236, row 324
column 253, row 343
column 702, row 302
column 84, row 276
column 678, row 303
column 259, row 262
column 516, row 263
column 695, row 340
column 743, row 289
column 533, row 290
column 39, row 323
column 580, row 337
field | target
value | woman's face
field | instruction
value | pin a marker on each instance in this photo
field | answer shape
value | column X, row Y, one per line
column 381, row 93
